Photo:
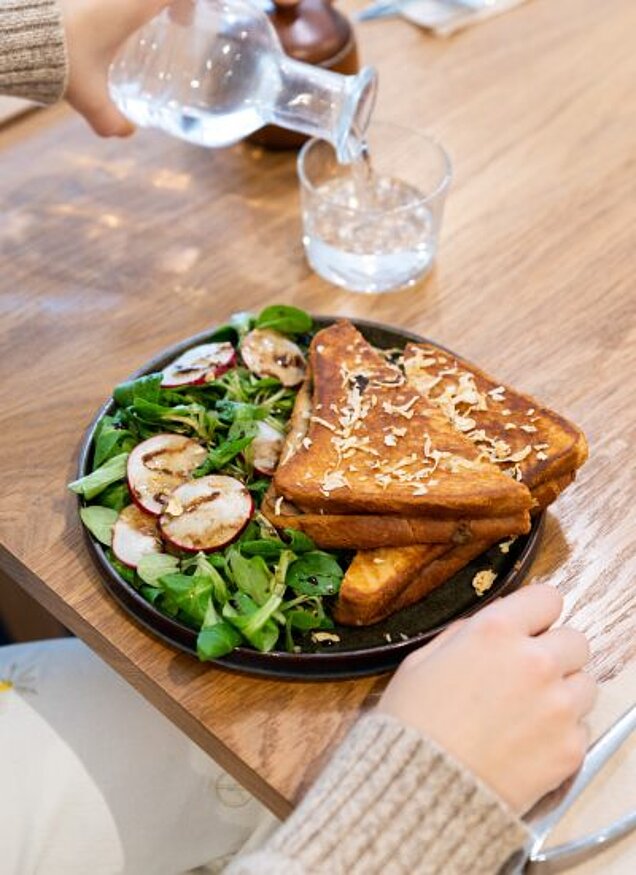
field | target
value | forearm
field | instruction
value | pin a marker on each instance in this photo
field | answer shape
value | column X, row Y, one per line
column 33, row 60
column 390, row 801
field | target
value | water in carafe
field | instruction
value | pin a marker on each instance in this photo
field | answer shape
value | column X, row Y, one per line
column 212, row 72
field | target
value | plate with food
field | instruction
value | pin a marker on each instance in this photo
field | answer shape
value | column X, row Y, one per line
column 314, row 497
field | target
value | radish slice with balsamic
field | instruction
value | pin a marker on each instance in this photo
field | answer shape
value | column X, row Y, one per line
column 206, row 514
column 135, row 534
column 158, row 465
column 264, row 451
column 267, row 353
column 198, row 365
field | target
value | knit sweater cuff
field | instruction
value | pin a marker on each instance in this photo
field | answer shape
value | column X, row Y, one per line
column 391, row 801
column 33, row 62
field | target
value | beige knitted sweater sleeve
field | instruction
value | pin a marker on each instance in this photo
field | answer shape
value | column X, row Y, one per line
column 33, row 62
column 391, row 803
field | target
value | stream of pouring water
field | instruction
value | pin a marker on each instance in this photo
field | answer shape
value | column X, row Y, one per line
column 369, row 231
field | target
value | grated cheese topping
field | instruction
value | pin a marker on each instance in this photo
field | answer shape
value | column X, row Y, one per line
column 319, row 421
column 325, row 637
column 333, row 480
column 451, row 389
column 455, row 392
column 483, row 580
column 505, row 546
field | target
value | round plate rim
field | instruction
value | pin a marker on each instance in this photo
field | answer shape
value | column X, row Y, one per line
column 305, row 666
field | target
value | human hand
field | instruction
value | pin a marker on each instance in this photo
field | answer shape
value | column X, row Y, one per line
column 504, row 694
column 95, row 30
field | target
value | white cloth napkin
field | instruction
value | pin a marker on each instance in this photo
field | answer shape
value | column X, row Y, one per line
column 90, row 771
column 445, row 18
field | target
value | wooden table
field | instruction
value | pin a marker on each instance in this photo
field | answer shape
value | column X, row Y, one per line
column 112, row 250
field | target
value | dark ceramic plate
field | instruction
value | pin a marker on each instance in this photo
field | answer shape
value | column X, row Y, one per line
column 360, row 651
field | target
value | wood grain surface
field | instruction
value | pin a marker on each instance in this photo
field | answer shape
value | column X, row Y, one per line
column 112, row 250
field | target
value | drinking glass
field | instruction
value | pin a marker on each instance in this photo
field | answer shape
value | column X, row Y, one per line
column 373, row 225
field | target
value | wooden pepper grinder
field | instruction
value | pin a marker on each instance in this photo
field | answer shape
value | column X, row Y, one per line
column 314, row 32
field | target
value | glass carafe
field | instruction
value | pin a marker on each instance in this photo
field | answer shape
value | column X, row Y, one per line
column 213, row 71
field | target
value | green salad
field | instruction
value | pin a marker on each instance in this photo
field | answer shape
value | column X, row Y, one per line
column 178, row 472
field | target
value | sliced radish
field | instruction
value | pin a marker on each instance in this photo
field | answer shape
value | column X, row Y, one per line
column 206, row 514
column 201, row 364
column 268, row 353
column 158, row 465
column 264, row 451
column 135, row 534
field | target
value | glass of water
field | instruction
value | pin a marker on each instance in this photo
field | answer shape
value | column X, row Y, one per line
column 373, row 225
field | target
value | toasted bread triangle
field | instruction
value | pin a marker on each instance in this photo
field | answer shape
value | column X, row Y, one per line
column 381, row 582
column 514, row 431
column 376, row 445
column 367, row 531
column 371, row 592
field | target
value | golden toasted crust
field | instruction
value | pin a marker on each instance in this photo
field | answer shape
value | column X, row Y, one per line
column 545, row 493
column 359, row 607
column 435, row 573
column 376, row 578
column 376, row 446
column 409, row 545
column 356, row 608
column 512, row 430
column 368, row 531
